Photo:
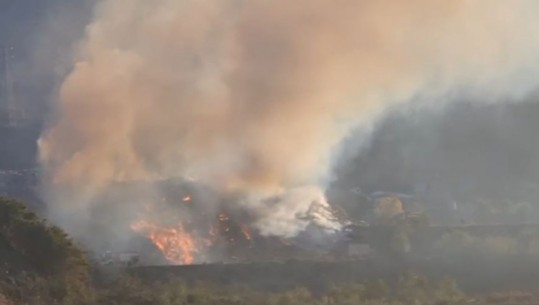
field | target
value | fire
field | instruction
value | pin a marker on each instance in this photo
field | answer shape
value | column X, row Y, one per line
column 178, row 246
column 187, row 198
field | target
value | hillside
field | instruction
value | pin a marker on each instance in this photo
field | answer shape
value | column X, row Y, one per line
column 39, row 261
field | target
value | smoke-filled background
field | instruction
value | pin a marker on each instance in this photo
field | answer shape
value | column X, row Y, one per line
column 261, row 100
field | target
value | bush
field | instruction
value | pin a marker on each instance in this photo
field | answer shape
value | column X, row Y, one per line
column 50, row 266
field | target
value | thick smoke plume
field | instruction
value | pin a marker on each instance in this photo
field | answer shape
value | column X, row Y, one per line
column 255, row 96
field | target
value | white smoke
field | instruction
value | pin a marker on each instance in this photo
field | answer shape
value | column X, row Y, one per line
column 291, row 212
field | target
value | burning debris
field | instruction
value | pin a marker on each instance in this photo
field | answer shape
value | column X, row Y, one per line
column 178, row 247
column 195, row 233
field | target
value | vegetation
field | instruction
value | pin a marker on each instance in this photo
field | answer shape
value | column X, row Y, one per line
column 410, row 289
column 41, row 265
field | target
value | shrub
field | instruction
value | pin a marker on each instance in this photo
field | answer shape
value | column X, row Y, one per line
column 53, row 267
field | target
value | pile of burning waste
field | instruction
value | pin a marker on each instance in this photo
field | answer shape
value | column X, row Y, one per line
column 190, row 223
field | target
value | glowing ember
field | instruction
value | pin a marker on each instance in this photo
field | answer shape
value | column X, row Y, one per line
column 177, row 246
column 246, row 232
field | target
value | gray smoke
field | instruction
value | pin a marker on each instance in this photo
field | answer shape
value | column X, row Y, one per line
column 481, row 156
column 255, row 97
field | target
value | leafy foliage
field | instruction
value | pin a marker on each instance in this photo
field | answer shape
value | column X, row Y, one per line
column 48, row 265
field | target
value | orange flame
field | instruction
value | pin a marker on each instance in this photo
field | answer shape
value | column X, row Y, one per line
column 187, row 198
column 177, row 245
